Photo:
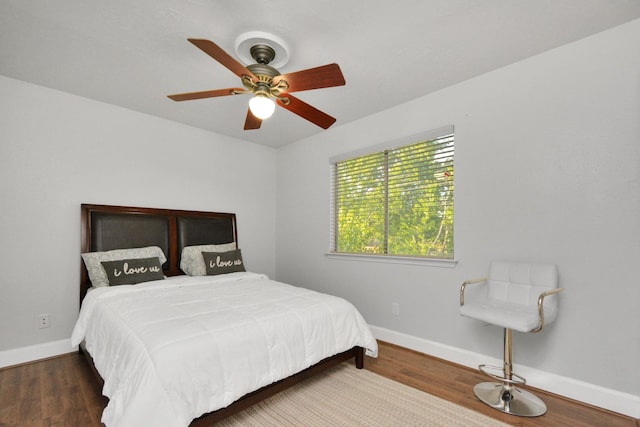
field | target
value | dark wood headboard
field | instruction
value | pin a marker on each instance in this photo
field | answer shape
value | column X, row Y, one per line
column 104, row 228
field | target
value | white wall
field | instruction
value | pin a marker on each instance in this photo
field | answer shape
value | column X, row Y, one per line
column 547, row 164
column 58, row 151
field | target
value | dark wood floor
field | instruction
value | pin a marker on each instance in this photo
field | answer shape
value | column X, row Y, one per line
column 63, row 392
column 455, row 383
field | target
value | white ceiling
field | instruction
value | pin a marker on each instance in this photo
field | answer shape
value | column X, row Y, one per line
column 133, row 53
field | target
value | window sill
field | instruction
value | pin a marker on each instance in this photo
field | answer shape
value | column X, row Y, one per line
column 394, row 259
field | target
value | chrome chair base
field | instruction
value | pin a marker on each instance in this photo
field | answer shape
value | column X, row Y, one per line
column 510, row 399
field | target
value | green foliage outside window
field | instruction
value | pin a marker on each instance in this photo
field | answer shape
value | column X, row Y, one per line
column 396, row 202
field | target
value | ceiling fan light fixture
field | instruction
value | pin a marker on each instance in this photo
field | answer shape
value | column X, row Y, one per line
column 261, row 106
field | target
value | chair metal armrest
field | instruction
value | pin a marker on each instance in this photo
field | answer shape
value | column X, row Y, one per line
column 541, row 308
column 469, row 282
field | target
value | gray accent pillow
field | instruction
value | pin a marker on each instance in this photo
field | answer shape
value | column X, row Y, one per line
column 191, row 261
column 132, row 271
column 223, row 262
column 92, row 260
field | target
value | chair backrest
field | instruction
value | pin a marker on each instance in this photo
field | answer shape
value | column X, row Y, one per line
column 521, row 283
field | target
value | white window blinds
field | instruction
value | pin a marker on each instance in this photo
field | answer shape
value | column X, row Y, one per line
column 397, row 200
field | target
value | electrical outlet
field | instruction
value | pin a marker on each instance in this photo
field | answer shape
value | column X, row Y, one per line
column 43, row 321
column 395, row 308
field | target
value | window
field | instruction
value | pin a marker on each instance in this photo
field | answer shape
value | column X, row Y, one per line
column 395, row 201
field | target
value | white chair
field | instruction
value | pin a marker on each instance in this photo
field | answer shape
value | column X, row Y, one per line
column 516, row 296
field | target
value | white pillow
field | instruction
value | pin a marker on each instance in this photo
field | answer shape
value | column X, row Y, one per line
column 93, row 260
column 192, row 262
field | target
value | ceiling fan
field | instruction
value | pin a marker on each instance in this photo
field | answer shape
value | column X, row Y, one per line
column 269, row 86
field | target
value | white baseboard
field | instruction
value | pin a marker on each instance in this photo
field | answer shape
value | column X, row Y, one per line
column 32, row 353
column 612, row 400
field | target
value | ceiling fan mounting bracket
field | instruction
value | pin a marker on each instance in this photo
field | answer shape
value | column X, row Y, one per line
column 284, row 100
column 262, row 53
column 246, row 41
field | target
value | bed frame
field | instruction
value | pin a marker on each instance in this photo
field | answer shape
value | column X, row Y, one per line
column 106, row 227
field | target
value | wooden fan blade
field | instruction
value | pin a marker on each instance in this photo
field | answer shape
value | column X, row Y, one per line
column 308, row 112
column 252, row 122
column 217, row 53
column 205, row 94
column 313, row 78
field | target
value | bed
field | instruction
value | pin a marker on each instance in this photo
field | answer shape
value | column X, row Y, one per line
column 182, row 349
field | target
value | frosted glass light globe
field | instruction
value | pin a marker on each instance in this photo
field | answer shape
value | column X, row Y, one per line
column 262, row 107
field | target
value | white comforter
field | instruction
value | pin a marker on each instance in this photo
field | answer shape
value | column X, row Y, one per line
column 172, row 350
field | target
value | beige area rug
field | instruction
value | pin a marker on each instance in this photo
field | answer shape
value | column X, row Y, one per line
column 346, row 396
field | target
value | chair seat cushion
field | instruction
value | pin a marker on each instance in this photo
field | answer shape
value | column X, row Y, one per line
column 518, row 317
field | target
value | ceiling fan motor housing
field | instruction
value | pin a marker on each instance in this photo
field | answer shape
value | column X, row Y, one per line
column 263, row 54
column 263, row 72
